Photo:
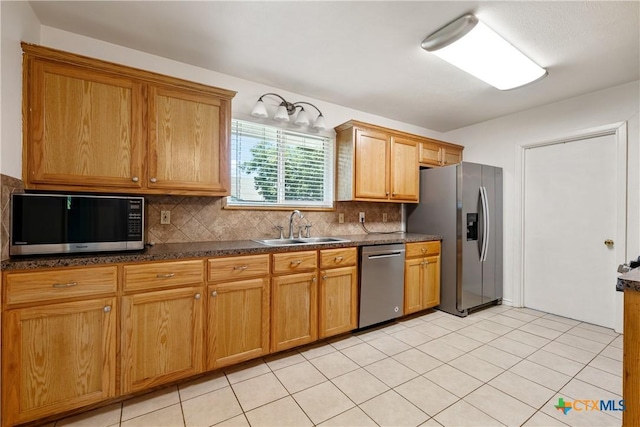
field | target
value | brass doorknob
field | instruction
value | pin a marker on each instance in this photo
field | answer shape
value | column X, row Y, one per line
column 608, row 243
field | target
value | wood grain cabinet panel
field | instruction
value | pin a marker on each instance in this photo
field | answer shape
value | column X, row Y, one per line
column 371, row 165
column 57, row 357
column 421, row 276
column 162, row 337
column 238, row 268
column 376, row 164
column 187, row 141
column 85, row 127
column 404, row 170
column 342, row 257
column 295, row 262
column 294, row 310
column 237, row 321
column 159, row 275
column 338, row 308
column 91, row 125
column 36, row 286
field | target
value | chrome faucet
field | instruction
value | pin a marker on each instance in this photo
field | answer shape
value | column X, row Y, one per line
column 291, row 221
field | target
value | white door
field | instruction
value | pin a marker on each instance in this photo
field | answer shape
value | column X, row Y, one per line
column 570, row 210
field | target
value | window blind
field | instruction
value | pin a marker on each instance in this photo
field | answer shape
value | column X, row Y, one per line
column 271, row 166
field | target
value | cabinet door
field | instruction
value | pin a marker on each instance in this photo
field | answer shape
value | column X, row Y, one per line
column 430, row 154
column 405, row 172
column 372, row 166
column 84, row 128
column 57, row 357
column 238, row 322
column 294, row 310
column 188, row 141
column 161, row 337
column 338, row 301
column 431, row 282
column 412, row 285
column 451, row 156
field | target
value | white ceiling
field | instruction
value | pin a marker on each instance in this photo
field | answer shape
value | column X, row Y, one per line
column 367, row 55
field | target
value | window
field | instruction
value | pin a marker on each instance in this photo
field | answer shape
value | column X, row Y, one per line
column 274, row 167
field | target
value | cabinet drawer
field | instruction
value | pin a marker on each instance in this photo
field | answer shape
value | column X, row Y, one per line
column 238, row 268
column 160, row 275
column 423, row 249
column 59, row 284
column 342, row 257
column 294, row 261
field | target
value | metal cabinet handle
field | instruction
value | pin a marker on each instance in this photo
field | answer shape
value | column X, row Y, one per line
column 338, row 259
column 313, row 279
column 197, row 296
column 423, row 250
column 393, row 194
column 135, row 179
column 106, row 308
column 165, row 276
column 240, row 267
column 65, row 285
column 154, row 180
column 296, row 262
column 214, row 294
column 324, row 277
column 387, row 193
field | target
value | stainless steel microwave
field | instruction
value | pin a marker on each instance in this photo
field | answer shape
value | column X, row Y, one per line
column 60, row 223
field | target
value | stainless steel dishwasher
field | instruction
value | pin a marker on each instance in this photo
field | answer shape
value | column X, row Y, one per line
column 381, row 283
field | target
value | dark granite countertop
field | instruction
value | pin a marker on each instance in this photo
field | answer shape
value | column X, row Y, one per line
column 169, row 251
column 629, row 281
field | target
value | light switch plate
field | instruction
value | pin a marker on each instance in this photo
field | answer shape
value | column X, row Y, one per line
column 384, row 217
column 340, row 218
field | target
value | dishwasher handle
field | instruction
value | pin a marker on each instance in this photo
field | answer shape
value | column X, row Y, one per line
column 385, row 255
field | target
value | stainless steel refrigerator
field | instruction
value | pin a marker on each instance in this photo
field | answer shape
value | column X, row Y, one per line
column 463, row 203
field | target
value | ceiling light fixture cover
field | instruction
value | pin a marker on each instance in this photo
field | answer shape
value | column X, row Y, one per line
column 473, row 47
column 286, row 109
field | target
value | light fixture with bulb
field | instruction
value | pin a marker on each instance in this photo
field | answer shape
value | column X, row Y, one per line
column 286, row 109
column 473, row 47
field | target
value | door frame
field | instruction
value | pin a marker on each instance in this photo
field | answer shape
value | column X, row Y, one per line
column 619, row 131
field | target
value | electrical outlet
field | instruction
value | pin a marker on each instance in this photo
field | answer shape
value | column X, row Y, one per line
column 340, row 218
column 384, row 217
column 361, row 217
column 165, row 217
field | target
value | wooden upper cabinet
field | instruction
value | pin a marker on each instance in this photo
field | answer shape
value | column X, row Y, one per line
column 91, row 125
column 371, row 165
column 186, row 141
column 85, row 127
column 438, row 153
column 405, row 173
column 376, row 164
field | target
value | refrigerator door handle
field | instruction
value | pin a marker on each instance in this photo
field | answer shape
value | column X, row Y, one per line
column 485, row 224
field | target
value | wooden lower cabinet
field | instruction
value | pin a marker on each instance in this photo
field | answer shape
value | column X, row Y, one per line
column 631, row 358
column 422, row 278
column 57, row 357
column 237, row 322
column 338, row 301
column 294, row 310
column 161, row 337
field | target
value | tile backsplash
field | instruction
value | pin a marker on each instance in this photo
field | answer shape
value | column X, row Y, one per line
column 197, row 219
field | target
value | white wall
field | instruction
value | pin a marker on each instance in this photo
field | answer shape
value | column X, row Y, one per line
column 18, row 24
column 496, row 142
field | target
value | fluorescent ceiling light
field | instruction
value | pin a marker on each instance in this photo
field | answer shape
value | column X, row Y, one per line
column 475, row 48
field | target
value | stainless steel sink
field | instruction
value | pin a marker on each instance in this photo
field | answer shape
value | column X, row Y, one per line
column 301, row 241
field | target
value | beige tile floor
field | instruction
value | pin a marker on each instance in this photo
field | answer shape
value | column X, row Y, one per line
column 499, row 366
